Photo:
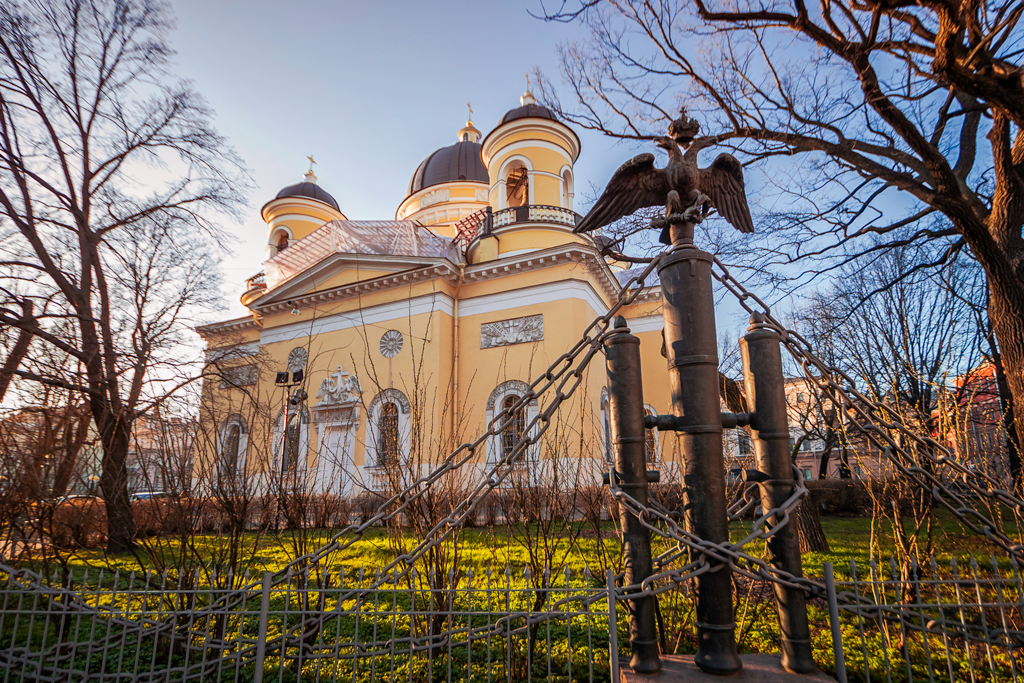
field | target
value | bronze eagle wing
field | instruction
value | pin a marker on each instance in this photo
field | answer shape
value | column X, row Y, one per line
column 722, row 182
column 636, row 185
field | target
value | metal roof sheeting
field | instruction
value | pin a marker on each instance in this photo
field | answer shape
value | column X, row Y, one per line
column 386, row 238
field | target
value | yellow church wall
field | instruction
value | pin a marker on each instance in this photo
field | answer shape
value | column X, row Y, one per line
column 363, row 301
column 459, row 193
column 520, row 237
column 352, row 273
column 487, row 368
column 417, row 371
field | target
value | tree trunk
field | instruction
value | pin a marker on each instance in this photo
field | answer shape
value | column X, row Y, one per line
column 1013, row 450
column 18, row 351
column 115, row 434
column 1006, row 313
column 812, row 536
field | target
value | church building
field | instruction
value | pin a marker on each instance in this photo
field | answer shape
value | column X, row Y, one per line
column 375, row 347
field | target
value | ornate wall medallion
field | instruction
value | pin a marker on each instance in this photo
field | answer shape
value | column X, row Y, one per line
column 297, row 358
column 391, row 343
column 515, row 331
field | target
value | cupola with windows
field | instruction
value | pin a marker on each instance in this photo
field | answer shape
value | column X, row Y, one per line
column 449, row 185
column 529, row 158
column 298, row 210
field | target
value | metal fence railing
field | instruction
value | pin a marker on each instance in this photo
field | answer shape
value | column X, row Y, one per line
column 483, row 626
column 934, row 622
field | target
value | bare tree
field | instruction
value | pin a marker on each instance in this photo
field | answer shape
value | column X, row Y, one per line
column 87, row 109
column 887, row 115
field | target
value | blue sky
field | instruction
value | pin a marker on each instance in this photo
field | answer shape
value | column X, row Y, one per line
column 369, row 89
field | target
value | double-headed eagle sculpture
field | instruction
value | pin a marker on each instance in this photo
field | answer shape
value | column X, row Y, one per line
column 638, row 184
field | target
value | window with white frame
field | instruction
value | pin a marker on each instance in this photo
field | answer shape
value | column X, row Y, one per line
column 234, row 442
column 387, row 440
column 504, row 397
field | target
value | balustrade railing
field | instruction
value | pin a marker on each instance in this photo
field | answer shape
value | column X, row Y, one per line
column 536, row 213
column 257, row 281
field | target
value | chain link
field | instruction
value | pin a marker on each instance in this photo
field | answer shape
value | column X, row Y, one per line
column 558, row 383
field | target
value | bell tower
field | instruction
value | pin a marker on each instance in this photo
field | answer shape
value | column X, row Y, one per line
column 298, row 210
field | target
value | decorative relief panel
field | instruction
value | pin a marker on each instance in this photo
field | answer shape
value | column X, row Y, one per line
column 390, row 343
column 515, row 331
column 435, row 197
column 241, row 376
column 481, row 195
column 297, row 359
column 339, row 387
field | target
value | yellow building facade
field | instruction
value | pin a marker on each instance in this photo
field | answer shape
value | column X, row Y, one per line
column 409, row 335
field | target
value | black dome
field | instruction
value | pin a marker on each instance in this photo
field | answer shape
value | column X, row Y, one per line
column 461, row 161
column 310, row 190
column 527, row 111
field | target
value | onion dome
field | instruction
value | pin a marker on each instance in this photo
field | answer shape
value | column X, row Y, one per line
column 528, row 109
column 460, row 161
column 309, row 189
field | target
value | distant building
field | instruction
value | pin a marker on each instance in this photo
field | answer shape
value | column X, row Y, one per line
column 813, row 428
column 49, row 451
column 970, row 421
column 160, row 454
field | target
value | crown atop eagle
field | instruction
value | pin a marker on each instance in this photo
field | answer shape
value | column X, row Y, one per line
column 684, row 129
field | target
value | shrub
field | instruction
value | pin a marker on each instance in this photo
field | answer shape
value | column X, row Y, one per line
column 79, row 523
column 849, row 497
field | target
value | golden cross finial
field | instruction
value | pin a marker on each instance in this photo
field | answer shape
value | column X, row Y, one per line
column 311, row 162
column 470, row 107
column 527, row 82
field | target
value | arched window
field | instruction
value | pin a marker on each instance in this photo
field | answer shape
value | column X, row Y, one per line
column 279, row 240
column 567, row 190
column 504, row 396
column 229, row 454
column 517, row 186
column 234, row 438
column 388, row 445
column 388, row 429
column 513, row 433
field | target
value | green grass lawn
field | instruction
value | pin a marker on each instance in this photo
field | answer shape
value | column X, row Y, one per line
column 850, row 538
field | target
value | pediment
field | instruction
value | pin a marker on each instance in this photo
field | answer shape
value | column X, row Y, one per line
column 344, row 270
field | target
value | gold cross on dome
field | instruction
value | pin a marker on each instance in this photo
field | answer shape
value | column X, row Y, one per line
column 470, row 107
column 527, row 82
column 311, row 162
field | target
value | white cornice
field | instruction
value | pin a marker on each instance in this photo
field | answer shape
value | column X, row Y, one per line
column 282, row 300
column 371, row 315
column 493, row 142
column 225, row 326
column 580, row 254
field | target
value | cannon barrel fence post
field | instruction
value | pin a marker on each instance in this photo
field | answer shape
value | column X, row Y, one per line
column 691, row 347
column 765, row 386
column 626, row 419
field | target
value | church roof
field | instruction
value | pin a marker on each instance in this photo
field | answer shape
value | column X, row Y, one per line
column 384, row 238
column 310, row 190
column 528, row 111
column 460, row 161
